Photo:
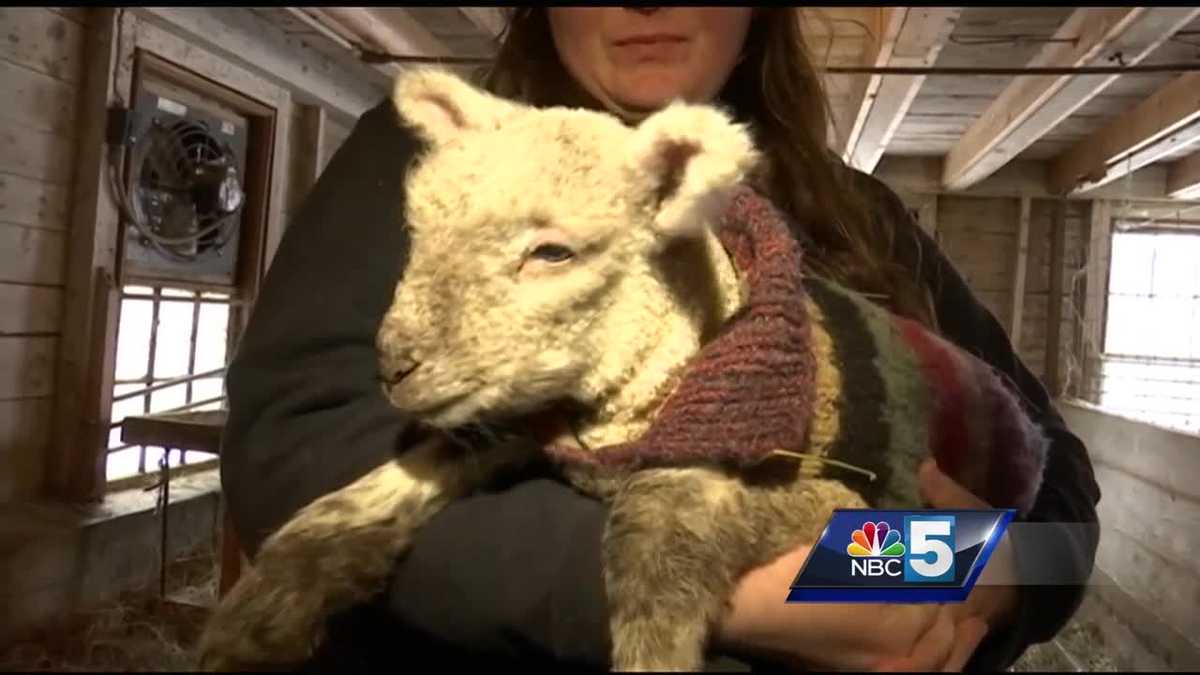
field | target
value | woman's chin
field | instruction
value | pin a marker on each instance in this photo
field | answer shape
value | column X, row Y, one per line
column 649, row 91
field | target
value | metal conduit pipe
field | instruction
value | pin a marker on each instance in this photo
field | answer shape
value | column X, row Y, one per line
column 372, row 56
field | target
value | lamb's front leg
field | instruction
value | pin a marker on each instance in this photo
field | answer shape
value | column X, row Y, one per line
column 335, row 553
column 679, row 540
column 671, row 552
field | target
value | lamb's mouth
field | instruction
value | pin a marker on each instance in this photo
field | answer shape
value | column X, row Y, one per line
column 442, row 412
column 452, row 412
column 456, row 420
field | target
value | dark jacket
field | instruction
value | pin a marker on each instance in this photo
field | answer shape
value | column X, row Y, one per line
column 514, row 571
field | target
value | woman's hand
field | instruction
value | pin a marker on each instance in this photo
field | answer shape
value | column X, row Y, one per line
column 851, row 636
column 883, row 637
column 993, row 600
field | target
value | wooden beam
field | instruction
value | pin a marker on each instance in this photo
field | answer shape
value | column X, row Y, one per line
column 1183, row 176
column 1142, row 195
column 1058, row 245
column 842, row 36
column 885, row 24
column 1163, row 123
column 1033, row 105
column 246, row 41
column 1019, row 274
column 921, row 32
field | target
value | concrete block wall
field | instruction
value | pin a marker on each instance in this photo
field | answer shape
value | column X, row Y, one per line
column 1148, row 574
column 54, row 559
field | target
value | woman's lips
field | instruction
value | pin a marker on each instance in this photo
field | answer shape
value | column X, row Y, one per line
column 649, row 40
column 651, row 48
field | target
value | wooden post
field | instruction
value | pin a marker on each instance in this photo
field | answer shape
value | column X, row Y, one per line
column 1095, row 297
column 75, row 466
column 1019, row 274
column 1058, row 236
column 927, row 215
column 310, row 157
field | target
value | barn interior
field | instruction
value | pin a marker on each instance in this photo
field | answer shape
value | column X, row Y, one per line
column 1050, row 151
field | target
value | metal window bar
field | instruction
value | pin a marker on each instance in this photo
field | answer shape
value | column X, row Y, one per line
column 1127, row 357
column 166, row 383
column 156, row 296
column 150, row 352
column 191, row 368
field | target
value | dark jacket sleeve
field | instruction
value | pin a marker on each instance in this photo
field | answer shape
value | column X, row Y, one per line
column 515, row 570
column 306, row 416
column 1069, row 492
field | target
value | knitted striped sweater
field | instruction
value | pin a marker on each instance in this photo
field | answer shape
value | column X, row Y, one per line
column 808, row 367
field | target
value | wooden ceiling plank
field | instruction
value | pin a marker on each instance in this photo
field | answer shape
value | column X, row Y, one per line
column 1033, row 105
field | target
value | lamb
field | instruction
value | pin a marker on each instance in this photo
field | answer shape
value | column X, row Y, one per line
column 559, row 255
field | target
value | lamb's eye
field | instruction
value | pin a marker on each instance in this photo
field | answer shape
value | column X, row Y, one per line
column 554, row 253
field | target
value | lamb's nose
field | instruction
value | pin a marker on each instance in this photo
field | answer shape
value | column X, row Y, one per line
column 400, row 366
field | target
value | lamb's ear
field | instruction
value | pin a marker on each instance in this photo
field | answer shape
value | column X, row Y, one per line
column 692, row 157
column 441, row 105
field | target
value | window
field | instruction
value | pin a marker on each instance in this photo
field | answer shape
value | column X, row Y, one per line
column 1151, row 366
column 166, row 338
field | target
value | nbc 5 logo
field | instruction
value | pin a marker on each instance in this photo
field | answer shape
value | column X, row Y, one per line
column 876, row 550
column 930, row 555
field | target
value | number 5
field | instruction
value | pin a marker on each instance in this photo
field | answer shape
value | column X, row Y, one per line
column 927, row 538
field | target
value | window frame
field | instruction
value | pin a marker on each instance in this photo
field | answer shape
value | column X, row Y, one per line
column 150, row 383
column 119, row 42
column 1121, row 226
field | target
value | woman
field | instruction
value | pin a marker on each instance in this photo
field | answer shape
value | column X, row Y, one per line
column 516, row 572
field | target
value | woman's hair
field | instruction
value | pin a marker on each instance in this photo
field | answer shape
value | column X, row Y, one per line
column 776, row 90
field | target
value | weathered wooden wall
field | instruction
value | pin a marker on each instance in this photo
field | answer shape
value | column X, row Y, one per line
column 41, row 50
column 979, row 230
column 41, row 69
column 41, row 85
column 316, row 134
column 979, row 235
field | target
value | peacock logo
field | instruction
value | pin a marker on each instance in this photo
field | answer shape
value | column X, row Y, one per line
column 875, row 540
